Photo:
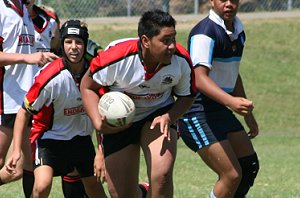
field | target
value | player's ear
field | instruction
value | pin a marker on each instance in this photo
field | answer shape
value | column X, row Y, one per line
column 145, row 41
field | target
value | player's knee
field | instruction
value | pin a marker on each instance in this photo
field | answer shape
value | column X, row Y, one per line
column 41, row 189
column 7, row 177
column 235, row 176
column 162, row 181
column 250, row 168
column 232, row 177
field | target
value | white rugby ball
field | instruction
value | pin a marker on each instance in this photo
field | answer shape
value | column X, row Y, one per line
column 117, row 107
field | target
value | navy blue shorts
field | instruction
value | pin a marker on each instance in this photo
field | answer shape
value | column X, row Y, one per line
column 65, row 155
column 200, row 129
column 115, row 142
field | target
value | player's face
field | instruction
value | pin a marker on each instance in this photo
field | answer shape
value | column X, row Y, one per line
column 226, row 9
column 162, row 47
column 74, row 49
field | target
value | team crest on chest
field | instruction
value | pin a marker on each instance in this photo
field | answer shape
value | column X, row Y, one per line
column 167, row 79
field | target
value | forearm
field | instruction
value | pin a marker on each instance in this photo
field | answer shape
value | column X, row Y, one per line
column 11, row 58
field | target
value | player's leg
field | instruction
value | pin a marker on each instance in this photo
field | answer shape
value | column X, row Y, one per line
column 122, row 170
column 28, row 177
column 6, row 133
column 5, row 176
column 82, row 156
column 205, row 133
column 72, row 186
column 43, row 181
column 160, row 154
column 247, row 158
column 5, row 141
column 221, row 159
column 27, row 183
column 93, row 188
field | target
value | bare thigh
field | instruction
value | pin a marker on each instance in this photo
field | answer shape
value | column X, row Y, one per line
column 122, row 167
column 5, row 141
column 160, row 153
column 241, row 144
column 220, row 157
column 92, row 187
column 42, row 181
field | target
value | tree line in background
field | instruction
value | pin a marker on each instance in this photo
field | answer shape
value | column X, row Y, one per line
column 110, row 8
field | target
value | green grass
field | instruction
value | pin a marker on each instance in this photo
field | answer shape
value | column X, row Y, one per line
column 271, row 73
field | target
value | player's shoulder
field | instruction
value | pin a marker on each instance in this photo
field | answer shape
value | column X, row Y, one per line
column 123, row 41
column 46, row 12
column 120, row 49
column 181, row 51
column 52, row 69
column 206, row 27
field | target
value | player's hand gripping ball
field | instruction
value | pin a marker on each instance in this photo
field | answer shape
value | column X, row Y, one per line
column 117, row 107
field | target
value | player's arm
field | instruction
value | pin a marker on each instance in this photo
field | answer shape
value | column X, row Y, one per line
column 99, row 162
column 250, row 120
column 90, row 97
column 208, row 87
column 20, row 126
column 40, row 58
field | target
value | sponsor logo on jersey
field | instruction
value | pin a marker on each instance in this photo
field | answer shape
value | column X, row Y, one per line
column 73, row 111
column 145, row 97
column 25, row 39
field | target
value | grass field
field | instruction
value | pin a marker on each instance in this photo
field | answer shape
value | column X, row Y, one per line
column 271, row 72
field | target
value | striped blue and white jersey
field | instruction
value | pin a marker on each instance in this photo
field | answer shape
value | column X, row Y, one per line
column 211, row 45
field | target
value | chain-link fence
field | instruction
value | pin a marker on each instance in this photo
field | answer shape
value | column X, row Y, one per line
column 111, row 8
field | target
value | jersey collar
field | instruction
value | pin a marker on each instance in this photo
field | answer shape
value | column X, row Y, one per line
column 237, row 24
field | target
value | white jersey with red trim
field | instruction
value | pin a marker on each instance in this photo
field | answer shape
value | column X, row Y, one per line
column 56, row 103
column 121, row 69
column 16, row 36
column 45, row 31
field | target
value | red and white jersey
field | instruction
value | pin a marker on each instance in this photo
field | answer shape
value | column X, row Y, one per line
column 45, row 25
column 16, row 36
column 56, row 103
column 121, row 69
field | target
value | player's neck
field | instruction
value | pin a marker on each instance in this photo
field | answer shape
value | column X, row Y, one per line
column 77, row 68
column 150, row 64
column 229, row 25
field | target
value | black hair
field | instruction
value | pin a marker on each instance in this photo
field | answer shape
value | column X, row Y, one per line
column 153, row 21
